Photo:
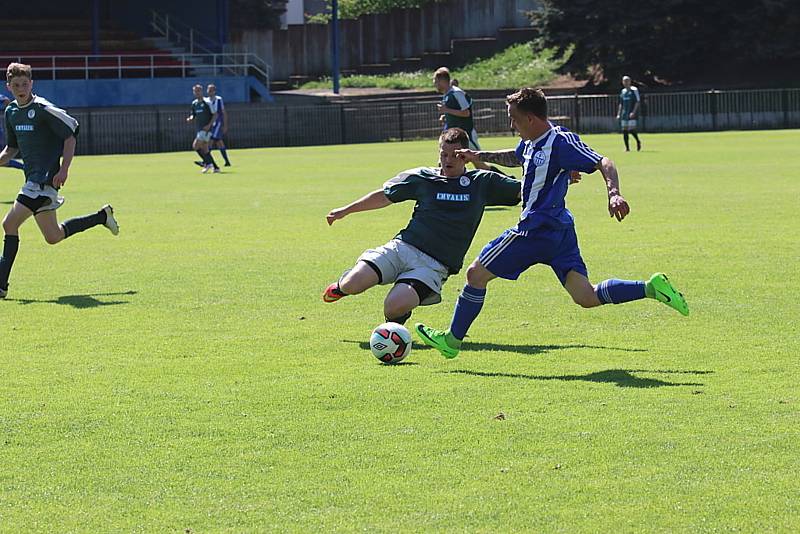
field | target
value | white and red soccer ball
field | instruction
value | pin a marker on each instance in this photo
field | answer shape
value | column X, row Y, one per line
column 390, row 342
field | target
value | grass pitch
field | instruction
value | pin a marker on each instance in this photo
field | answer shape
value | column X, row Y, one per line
column 186, row 376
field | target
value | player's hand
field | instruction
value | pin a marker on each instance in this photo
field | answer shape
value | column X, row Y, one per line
column 60, row 178
column 632, row 116
column 575, row 177
column 618, row 207
column 470, row 156
column 335, row 215
column 440, row 107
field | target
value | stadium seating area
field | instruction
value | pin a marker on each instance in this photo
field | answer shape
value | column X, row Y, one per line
column 63, row 54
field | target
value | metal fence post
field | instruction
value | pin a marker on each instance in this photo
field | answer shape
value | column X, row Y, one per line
column 285, row 125
column 576, row 113
column 713, row 107
column 159, row 141
column 785, row 107
column 90, row 137
column 400, row 120
column 342, row 124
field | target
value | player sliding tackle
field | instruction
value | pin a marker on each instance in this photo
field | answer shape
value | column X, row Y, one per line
column 449, row 207
column 545, row 232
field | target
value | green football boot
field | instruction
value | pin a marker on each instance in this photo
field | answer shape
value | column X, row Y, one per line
column 436, row 339
column 659, row 288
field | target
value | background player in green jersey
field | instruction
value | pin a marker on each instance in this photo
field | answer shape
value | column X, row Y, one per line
column 456, row 106
column 449, row 207
column 203, row 118
column 46, row 135
column 628, row 112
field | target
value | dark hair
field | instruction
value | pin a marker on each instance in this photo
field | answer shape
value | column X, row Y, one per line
column 18, row 69
column 454, row 136
column 530, row 100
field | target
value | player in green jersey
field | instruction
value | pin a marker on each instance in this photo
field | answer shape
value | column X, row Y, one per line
column 628, row 112
column 203, row 118
column 455, row 107
column 46, row 136
column 449, row 206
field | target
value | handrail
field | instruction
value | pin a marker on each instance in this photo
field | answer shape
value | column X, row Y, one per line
column 239, row 64
column 180, row 33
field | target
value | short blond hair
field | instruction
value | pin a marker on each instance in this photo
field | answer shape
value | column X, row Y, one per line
column 442, row 73
column 18, row 69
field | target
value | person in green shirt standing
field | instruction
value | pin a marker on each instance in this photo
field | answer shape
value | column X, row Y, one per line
column 455, row 107
column 46, row 136
column 449, row 206
column 628, row 112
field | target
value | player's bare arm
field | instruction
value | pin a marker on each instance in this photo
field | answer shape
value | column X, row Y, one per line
column 456, row 112
column 60, row 177
column 372, row 201
column 617, row 205
column 635, row 111
column 506, row 158
column 7, row 155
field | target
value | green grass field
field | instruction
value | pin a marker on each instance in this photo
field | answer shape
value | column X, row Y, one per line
column 187, row 377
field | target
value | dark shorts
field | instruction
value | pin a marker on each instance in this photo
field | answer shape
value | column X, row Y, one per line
column 512, row 253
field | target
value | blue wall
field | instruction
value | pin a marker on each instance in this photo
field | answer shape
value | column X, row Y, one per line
column 136, row 92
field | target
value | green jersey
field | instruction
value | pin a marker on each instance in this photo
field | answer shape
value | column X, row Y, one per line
column 448, row 210
column 39, row 129
column 628, row 98
column 456, row 98
column 201, row 111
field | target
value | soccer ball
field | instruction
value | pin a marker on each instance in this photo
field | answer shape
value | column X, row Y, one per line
column 390, row 342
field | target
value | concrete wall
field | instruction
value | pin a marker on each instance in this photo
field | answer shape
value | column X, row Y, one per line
column 136, row 92
column 304, row 50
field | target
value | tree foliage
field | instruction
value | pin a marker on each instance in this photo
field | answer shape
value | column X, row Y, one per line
column 669, row 39
column 352, row 9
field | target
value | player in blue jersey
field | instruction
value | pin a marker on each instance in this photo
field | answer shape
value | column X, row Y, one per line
column 46, row 135
column 449, row 204
column 220, row 127
column 545, row 232
column 455, row 107
column 628, row 112
column 4, row 102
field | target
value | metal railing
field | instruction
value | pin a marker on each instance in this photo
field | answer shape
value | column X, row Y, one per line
column 144, row 65
column 182, row 35
column 162, row 129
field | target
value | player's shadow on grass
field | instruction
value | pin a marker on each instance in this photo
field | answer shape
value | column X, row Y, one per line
column 623, row 378
column 80, row 301
column 496, row 208
column 521, row 349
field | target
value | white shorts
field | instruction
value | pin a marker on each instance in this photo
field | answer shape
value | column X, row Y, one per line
column 203, row 136
column 628, row 125
column 34, row 191
column 398, row 260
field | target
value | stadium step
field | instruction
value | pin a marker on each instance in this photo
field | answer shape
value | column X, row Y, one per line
column 511, row 36
column 375, row 68
column 466, row 50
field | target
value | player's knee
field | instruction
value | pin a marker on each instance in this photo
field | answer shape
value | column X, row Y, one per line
column 53, row 238
column 396, row 310
column 9, row 226
column 586, row 300
column 476, row 275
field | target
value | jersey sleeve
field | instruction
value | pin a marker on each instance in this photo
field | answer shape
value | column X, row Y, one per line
column 636, row 94
column 61, row 123
column 402, row 187
column 11, row 135
column 212, row 104
column 502, row 190
column 575, row 155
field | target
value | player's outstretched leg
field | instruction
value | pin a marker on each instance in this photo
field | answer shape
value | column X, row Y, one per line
column 660, row 288
column 104, row 217
column 362, row 277
column 638, row 142
column 441, row 340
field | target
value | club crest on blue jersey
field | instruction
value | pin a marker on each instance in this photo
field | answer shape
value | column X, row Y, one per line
column 539, row 158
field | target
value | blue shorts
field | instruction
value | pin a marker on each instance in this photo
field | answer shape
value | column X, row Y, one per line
column 512, row 253
column 216, row 131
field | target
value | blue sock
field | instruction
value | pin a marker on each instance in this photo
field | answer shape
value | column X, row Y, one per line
column 469, row 305
column 14, row 164
column 615, row 291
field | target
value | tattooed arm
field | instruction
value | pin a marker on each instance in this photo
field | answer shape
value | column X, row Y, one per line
column 506, row 158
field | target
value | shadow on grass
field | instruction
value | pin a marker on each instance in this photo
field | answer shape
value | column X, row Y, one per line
column 623, row 378
column 520, row 349
column 496, row 208
column 80, row 301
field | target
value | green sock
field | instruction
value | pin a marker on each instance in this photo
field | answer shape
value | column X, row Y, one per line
column 453, row 341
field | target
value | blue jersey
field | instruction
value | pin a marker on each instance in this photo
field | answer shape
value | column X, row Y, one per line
column 547, row 162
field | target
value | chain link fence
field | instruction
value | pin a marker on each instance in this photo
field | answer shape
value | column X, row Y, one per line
column 146, row 130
